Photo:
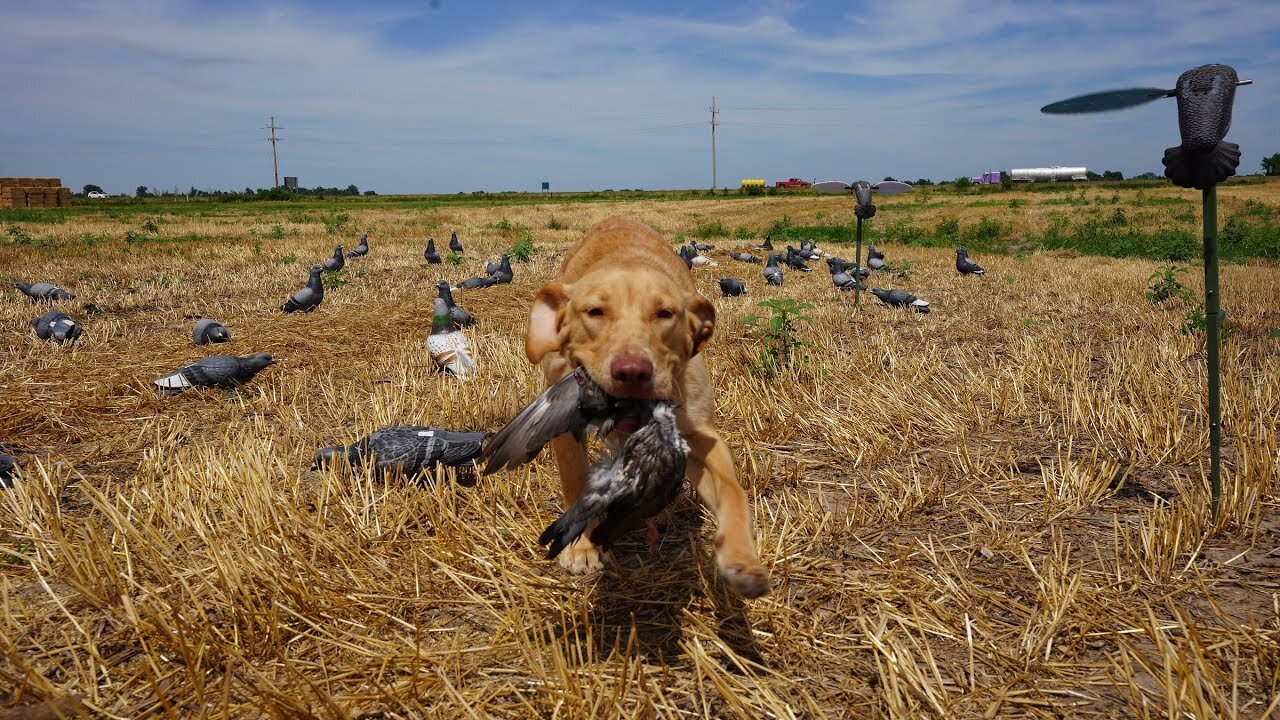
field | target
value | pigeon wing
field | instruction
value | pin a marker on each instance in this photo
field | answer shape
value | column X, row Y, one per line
column 553, row 413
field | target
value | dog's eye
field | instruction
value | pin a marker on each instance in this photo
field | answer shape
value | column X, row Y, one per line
column 664, row 314
column 596, row 312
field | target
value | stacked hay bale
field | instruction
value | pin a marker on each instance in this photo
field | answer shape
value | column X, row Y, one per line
column 33, row 193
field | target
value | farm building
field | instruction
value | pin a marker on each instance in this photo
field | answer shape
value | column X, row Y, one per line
column 33, row 193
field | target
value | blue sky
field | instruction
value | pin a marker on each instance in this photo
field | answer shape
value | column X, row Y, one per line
column 449, row 96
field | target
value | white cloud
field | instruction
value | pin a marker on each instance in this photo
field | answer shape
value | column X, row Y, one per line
column 174, row 94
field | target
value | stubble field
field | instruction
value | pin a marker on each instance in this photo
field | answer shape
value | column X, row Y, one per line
column 998, row 509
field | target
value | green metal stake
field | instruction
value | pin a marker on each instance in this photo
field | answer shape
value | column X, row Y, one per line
column 857, row 269
column 1213, row 319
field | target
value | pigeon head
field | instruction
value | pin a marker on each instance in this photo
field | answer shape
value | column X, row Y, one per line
column 664, row 419
column 219, row 334
column 329, row 457
column 258, row 361
column 961, row 252
column 443, row 287
column 24, row 287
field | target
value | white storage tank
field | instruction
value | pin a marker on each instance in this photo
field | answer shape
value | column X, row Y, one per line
column 1048, row 174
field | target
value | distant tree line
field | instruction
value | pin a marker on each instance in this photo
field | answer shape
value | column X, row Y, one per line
column 280, row 193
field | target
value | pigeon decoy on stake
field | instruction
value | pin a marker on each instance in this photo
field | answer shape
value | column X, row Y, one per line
column 1203, row 159
column 863, row 209
column 361, row 249
column 309, row 297
column 449, row 348
column 454, row 244
column 457, row 313
column 337, row 262
column 773, row 273
column 965, row 266
column 432, row 257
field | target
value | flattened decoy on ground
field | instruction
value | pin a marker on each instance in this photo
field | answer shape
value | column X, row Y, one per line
column 731, row 287
column 215, row 371
column 44, row 292
column 208, row 331
column 901, row 299
column 405, row 449
column 56, row 326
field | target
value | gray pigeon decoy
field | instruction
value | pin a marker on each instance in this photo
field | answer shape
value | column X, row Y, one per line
column 309, row 297
column 745, row 257
column 503, row 274
column 572, row 405
column 965, row 266
column 221, row 371
column 362, row 249
column 795, row 260
column 808, row 251
column 766, row 245
column 621, row 492
column 844, row 281
column 875, row 258
column 491, row 267
column 449, row 348
column 209, row 331
column 702, row 247
column 405, row 449
column 457, row 313
column 731, row 287
column 55, row 325
column 480, row 281
column 44, row 292
column 454, row 245
column 687, row 255
column 773, row 273
column 8, row 470
column 432, row 257
column 337, row 262
column 901, row 299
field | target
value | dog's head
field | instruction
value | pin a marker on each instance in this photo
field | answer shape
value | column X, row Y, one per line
column 632, row 329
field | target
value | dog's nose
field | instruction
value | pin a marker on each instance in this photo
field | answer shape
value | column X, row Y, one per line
column 632, row 374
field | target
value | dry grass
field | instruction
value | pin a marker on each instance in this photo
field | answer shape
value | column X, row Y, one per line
column 995, row 510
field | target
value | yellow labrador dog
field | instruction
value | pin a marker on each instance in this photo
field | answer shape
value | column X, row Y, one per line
column 624, row 307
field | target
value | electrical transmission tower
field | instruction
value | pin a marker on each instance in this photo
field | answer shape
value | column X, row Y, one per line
column 275, row 166
column 713, row 142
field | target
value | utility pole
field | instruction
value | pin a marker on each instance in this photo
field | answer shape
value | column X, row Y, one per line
column 713, row 143
column 275, row 166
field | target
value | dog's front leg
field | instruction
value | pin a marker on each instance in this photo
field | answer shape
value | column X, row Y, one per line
column 581, row 556
column 710, row 469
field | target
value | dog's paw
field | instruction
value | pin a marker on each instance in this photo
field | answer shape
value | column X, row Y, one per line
column 581, row 557
column 750, row 580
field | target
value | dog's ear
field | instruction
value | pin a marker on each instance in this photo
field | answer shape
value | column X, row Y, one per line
column 545, row 321
column 702, row 321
